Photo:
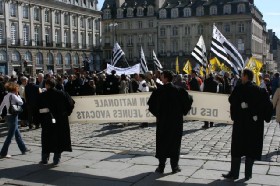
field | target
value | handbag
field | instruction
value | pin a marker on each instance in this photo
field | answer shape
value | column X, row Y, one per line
column 14, row 109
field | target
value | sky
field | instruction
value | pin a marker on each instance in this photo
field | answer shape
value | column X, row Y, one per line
column 269, row 8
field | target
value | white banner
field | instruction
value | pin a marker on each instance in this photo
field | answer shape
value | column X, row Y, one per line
column 133, row 107
column 127, row 71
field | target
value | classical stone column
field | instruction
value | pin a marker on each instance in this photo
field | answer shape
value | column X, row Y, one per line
column 20, row 25
column 71, row 30
column 62, row 29
column 52, row 13
column 79, row 31
column 31, row 17
column 43, row 25
column 86, row 32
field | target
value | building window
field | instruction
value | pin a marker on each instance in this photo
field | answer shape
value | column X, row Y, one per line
column 200, row 11
column 66, row 37
column 28, row 56
column 130, row 40
column 47, row 16
column 200, row 29
column 227, row 28
column 1, row 7
column 140, row 11
column 66, row 19
column 47, row 36
column 89, row 23
column 175, row 31
column 57, row 18
column 37, row 14
column 150, row 11
column 37, row 35
column 50, row 59
column 213, row 10
column 140, row 39
column 83, row 38
column 162, row 47
column 151, row 24
column 129, row 25
column 107, row 14
column 25, row 35
column 129, row 12
column 241, row 8
column 130, row 55
column 15, row 56
column 13, row 33
column 162, row 31
column 175, row 46
column 120, row 13
column 162, row 13
column 90, row 39
column 139, row 24
column 39, row 59
column 187, row 46
column 68, row 59
column 25, row 12
column 150, row 39
column 59, row 59
column 1, row 34
column 2, row 55
column 74, row 21
column 240, row 45
column 187, row 30
column 76, row 59
column 241, row 28
column 174, row 13
column 187, row 12
column 227, row 9
column 82, row 22
column 75, row 39
column 56, row 37
column 13, row 10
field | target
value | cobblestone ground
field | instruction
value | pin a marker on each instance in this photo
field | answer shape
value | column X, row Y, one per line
column 213, row 143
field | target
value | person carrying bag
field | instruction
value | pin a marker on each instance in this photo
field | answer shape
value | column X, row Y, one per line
column 13, row 102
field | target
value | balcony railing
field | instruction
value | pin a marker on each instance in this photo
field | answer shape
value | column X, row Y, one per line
column 49, row 44
column 15, row 42
column 68, row 45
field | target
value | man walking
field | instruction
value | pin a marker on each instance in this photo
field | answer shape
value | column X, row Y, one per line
column 168, row 104
column 249, row 107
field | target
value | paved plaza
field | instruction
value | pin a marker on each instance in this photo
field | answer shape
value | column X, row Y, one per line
column 110, row 154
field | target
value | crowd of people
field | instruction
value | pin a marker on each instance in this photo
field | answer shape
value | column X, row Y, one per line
column 46, row 101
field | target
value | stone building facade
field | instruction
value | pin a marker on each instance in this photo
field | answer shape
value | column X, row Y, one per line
column 53, row 35
column 172, row 28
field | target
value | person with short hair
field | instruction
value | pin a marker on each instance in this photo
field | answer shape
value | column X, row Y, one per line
column 55, row 106
column 12, row 120
column 169, row 104
column 143, row 86
column 249, row 107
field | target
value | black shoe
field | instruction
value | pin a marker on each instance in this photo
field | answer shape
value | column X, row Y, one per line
column 160, row 170
column 211, row 125
column 27, row 150
column 176, row 170
column 247, row 178
column 43, row 162
column 230, row 176
column 205, row 127
column 55, row 163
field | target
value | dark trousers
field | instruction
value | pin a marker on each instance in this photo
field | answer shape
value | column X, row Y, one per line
column 235, row 166
column 173, row 161
column 33, row 115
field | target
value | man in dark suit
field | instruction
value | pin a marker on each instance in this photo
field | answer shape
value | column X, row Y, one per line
column 168, row 104
column 248, row 108
column 32, row 92
column 112, row 84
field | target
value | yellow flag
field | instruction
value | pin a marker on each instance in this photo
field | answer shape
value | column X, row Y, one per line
column 215, row 65
column 177, row 66
column 256, row 66
column 201, row 72
column 188, row 67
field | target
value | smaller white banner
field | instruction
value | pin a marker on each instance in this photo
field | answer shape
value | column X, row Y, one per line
column 127, row 71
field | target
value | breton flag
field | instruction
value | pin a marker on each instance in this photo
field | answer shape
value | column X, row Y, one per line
column 157, row 64
column 199, row 54
column 117, row 54
column 143, row 63
column 226, row 52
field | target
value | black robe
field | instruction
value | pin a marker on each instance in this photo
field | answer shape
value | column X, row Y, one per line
column 56, row 136
column 247, row 134
column 168, row 104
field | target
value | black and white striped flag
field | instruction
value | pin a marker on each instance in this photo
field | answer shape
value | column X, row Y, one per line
column 226, row 52
column 143, row 63
column 117, row 54
column 157, row 64
column 199, row 54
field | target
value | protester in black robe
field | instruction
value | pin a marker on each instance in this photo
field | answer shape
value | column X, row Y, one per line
column 168, row 104
column 249, row 107
column 55, row 107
